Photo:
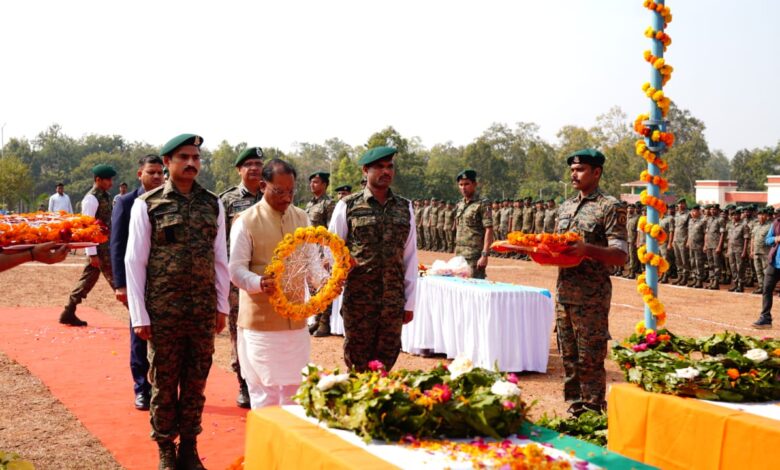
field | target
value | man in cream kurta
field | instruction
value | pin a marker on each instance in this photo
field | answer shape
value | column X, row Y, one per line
column 272, row 350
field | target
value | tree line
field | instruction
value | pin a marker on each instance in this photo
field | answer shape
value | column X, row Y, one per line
column 512, row 161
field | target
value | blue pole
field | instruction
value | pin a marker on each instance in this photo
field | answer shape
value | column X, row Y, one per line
column 656, row 122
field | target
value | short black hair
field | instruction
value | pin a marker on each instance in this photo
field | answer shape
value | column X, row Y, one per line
column 122, row 184
column 150, row 158
column 277, row 166
column 60, row 184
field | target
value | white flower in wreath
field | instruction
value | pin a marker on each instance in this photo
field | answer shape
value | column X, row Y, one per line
column 757, row 355
column 687, row 373
column 329, row 381
column 311, row 365
column 459, row 366
column 505, row 389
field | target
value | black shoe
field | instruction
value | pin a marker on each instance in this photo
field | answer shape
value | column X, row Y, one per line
column 323, row 330
column 167, row 456
column 733, row 288
column 739, row 289
column 242, row 400
column 141, row 401
column 68, row 317
column 763, row 324
column 188, row 458
column 757, row 291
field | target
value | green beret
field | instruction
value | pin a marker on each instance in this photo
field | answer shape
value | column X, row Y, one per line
column 375, row 154
column 180, row 140
column 739, row 210
column 589, row 156
column 682, row 201
column 346, row 187
column 468, row 174
column 729, row 207
column 696, row 206
column 324, row 176
column 103, row 171
column 247, row 153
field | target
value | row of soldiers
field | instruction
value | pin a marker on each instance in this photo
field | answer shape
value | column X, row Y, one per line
column 436, row 222
column 707, row 246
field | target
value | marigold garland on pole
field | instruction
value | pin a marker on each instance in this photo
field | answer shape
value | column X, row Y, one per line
column 656, row 141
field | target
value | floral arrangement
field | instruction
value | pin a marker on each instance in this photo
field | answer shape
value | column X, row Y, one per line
column 422, row 270
column 454, row 401
column 725, row 367
column 590, row 426
column 43, row 227
column 319, row 301
column 499, row 454
column 553, row 242
column 11, row 461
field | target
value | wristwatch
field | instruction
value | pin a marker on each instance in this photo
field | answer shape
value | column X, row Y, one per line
column 485, row 253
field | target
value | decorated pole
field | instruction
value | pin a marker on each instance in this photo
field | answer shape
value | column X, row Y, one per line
column 657, row 140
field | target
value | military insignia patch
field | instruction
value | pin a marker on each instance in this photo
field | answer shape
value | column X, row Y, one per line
column 197, row 141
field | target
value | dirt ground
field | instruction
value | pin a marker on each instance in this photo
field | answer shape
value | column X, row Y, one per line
column 36, row 425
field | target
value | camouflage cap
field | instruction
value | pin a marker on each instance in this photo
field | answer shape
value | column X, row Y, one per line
column 468, row 174
column 250, row 153
column 103, row 171
column 180, row 140
column 375, row 154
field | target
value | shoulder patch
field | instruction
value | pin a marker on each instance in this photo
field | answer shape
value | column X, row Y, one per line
column 154, row 192
column 227, row 191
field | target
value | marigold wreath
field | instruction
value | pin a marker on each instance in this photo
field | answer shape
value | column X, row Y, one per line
column 342, row 263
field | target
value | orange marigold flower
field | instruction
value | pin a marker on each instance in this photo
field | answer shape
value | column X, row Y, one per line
column 733, row 374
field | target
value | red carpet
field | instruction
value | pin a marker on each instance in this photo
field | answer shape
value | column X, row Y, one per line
column 88, row 370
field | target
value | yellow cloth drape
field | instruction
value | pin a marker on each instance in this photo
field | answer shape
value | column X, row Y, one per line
column 276, row 439
column 683, row 433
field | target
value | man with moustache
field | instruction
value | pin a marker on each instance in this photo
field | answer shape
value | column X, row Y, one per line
column 379, row 294
column 584, row 292
column 474, row 220
column 177, row 291
column 150, row 174
column 237, row 199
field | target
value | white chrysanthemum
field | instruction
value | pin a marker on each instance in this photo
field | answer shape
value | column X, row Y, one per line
column 757, row 355
column 305, row 370
column 460, row 366
column 329, row 381
column 505, row 389
column 687, row 373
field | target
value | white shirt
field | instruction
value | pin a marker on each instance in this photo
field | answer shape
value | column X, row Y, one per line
column 241, row 258
column 60, row 203
column 137, row 259
column 89, row 206
column 338, row 225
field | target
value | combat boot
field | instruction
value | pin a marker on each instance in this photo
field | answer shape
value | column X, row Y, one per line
column 167, row 455
column 763, row 323
column 739, row 289
column 697, row 285
column 242, row 400
column 323, row 325
column 188, row 458
column 714, row 285
column 313, row 327
column 758, row 290
column 68, row 316
column 664, row 279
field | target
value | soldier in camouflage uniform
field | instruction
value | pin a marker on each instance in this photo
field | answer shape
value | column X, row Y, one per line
column 528, row 216
column 506, row 218
column 379, row 293
column 697, row 228
column 713, row 242
column 177, row 286
column 320, row 209
column 495, row 215
column 418, row 208
column 738, row 246
column 752, row 222
column 539, row 217
column 631, row 226
column 550, row 216
column 449, row 223
column 584, row 292
column 679, row 241
column 440, row 224
column 667, row 224
column 98, row 204
column 235, row 200
column 426, row 211
column 516, row 224
column 758, row 249
column 474, row 219
column 434, row 219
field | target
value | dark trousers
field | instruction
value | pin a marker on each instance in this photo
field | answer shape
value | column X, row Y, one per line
column 139, row 364
column 771, row 278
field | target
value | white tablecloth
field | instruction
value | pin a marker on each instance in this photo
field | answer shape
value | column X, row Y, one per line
column 488, row 322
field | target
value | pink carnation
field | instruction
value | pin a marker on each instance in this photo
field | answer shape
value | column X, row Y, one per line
column 376, row 365
column 640, row 347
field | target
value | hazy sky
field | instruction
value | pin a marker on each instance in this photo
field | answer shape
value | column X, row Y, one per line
column 281, row 72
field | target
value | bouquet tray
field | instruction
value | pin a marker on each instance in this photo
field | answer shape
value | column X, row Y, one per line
column 541, row 254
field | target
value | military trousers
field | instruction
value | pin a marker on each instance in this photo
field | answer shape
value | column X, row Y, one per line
column 714, row 263
column 372, row 330
column 738, row 264
column 233, row 330
column 759, row 265
column 633, row 259
column 682, row 259
column 428, row 241
column 583, row 333
column 476, row 271
column 180, row 355
column 699, row 264
column 91, row 274
column 420, row 237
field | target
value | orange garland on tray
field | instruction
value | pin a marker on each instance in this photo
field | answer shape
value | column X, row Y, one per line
column 42, row 227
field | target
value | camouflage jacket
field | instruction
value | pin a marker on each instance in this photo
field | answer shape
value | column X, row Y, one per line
column 550, row 217
column 601, row 221
column 433, row 217
column 696, row 230
column 440, row 220
column 681, row 227
column 426, row 213
column 667, row 223
column 236, row 200
column 759, row 237
column 528, row 219
column 631, row 226
column 449, row 218
column 539, row 221
column 506, row 217
column 181, row 278
column 319, row 210
column 517, row 219
column 473, row 218
column 715, row 228
column 105, row 206
column 737, row 235
column 376, row 236
column 418, row 216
